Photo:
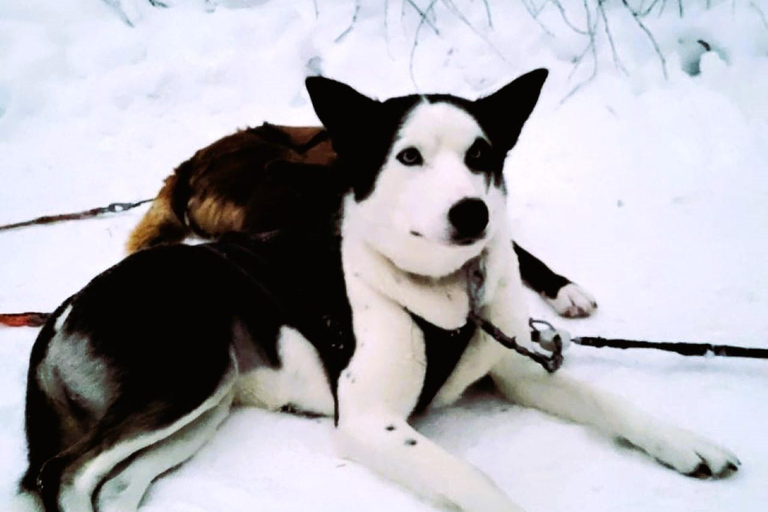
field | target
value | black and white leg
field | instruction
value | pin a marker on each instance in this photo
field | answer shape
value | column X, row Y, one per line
column 523, row 382
column 71, row 481
column 376, row 394
column 565, row 297
column 124, row 491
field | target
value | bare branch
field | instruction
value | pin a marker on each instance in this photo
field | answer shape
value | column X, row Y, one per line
column 456, row 12
column 351, row 25
column 535, row 15
column 563, row 15
column 115, row 5
column 424, row 15
column 592, row 48
column 488, row 13
column 424, row 20
column 650, row 37
column 643, row 13
column 760, row 12
column 616, row 60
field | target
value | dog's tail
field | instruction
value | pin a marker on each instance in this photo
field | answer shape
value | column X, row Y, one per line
column 161, row 224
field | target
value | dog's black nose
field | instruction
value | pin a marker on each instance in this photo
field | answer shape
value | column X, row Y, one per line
column 469, row 218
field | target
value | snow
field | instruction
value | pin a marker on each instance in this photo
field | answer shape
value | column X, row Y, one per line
column 651, row 193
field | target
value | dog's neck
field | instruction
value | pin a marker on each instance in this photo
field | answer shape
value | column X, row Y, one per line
column 442, row 301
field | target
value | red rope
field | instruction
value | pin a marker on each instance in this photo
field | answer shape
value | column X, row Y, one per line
column 24, row 319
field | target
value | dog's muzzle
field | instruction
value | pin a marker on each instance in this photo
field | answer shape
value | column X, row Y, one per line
column 469, row 218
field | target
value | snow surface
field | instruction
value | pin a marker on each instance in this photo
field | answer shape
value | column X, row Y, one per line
column 651, row 193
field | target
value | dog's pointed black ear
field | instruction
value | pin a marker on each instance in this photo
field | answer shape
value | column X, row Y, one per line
column 341, row 109
column 503, row 113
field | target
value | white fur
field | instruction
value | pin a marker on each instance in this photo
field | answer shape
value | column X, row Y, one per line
column 562, row 396
column 300, row 381
column 62, row 318
column 573, row 301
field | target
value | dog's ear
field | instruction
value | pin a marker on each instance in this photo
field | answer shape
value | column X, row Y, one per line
column 341, row 109
column 503, row 113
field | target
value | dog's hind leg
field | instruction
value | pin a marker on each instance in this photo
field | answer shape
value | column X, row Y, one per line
column 126, row 486
column 67, row 482
column 524, row 382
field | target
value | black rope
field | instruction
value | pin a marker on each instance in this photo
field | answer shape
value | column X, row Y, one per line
column 686, row 349
column 93, row 212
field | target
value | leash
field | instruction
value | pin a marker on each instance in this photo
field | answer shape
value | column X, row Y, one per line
column 87, row 214
column 38, row 319
column 30, row 319
column 552, row 340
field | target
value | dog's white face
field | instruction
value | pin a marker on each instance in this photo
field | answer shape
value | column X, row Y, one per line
column 425, row 172
column 430, row 211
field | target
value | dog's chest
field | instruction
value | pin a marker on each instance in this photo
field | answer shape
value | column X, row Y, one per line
column 313, row 339
column 443, row 350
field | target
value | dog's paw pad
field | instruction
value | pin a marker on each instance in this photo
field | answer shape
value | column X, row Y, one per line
column 573, row 301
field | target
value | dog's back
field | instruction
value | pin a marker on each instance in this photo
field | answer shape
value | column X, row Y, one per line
column 256, row 180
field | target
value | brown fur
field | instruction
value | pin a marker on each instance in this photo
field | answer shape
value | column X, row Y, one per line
column 246, row 181
column 160, row 224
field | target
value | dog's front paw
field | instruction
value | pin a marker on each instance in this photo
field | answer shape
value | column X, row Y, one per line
column 690, row 454
column 573, row 301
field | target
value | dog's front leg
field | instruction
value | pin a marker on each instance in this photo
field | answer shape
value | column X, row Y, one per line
column 524, row 382
column 376, row 394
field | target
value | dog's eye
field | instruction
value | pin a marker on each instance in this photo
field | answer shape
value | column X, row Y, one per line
column 478, row 150
column 410, row 157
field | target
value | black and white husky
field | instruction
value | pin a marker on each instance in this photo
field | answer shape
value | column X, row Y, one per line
column 360, row 314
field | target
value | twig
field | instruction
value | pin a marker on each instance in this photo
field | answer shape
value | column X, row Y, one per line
column 386, row 29
column 646, row 12
column 663, row 7
column 535, row 15
column 351, row 25
column 650, row 37
column 760, row 12
column 115, row 5
column 606, row 26
column 488, row 13
column 423, row 14
column 93, row 212
column 456, row 12
column 568, row 22
column 416, row 40
column 593, row 47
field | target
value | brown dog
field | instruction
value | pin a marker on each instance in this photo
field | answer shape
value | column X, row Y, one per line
column 243, row 182
column 263, row 179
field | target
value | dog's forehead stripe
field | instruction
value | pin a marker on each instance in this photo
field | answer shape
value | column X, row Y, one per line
column 439, row 124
